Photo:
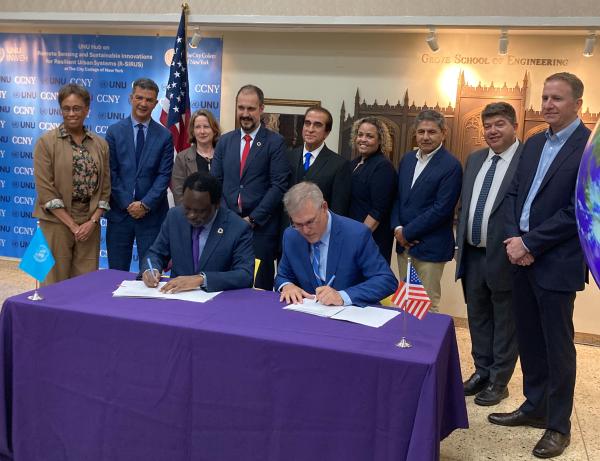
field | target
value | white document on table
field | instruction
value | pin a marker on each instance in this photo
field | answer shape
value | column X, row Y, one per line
column 138, row 289
column 313, row 307
column 370, row 316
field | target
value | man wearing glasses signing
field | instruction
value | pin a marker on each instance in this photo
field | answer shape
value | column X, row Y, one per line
column 328, row 256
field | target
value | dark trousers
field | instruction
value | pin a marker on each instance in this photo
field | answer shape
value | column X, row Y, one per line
column 120, row 237
column 544, row 321
column 265, row 249
column 491, row 322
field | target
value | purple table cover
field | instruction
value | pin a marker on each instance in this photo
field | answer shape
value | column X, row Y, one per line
column 86, row 376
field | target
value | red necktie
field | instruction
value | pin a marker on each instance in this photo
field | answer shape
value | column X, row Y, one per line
column 247, row 138
column 245, row 152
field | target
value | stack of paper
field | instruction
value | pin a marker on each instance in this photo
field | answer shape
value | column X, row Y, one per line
column 138, row 289
column 370, row 316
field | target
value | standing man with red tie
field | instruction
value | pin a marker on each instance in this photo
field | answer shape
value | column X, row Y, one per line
column 252, row 166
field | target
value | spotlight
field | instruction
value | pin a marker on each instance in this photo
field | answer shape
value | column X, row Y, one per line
column 503, row 42
column 432, row 40
column 195, row 39
column 590, row 42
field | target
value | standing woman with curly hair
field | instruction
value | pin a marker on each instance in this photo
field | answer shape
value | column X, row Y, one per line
column 373, row 181
column 72, row 181
column 204, row 132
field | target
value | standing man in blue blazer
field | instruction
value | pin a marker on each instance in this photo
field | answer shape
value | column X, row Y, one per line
column 210, row 246
column 252, row 166
column 429, row 183
column 329, row 256
column 549, row 267
column 141, row 161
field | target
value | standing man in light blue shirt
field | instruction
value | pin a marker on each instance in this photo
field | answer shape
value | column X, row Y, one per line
column 549, row 267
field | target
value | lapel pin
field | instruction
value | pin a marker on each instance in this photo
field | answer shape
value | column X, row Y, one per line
column 220, row 230
column 258, row 144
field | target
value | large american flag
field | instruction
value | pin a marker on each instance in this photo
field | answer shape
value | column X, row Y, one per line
column 413, row 294
column 175, row 113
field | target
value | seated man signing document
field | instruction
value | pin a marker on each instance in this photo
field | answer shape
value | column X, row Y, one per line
column 327, row 256
column 211, row 247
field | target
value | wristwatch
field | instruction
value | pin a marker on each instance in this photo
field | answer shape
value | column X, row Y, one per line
column 94, row 220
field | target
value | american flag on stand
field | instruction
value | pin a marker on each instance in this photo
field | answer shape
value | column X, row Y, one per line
column 413, row 294
column 175, row 113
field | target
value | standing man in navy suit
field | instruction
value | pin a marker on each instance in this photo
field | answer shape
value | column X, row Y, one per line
column 141, row 161
column 549, row 267
column 481, row 260
column 253, row 168
column 315, row 162
column 429, row 182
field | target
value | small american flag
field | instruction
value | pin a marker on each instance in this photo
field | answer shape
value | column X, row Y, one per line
column 413, row 294
column 175, row 113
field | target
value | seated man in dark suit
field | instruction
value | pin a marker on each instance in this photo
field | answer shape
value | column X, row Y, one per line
column 211, row 247
column 330, row 256
column 315, row 162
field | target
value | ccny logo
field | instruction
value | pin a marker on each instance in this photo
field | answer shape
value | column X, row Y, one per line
column 2, row 54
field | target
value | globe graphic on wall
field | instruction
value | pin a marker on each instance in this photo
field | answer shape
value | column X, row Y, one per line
column 588, row 203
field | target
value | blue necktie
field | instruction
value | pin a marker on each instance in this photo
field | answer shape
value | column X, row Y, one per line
column 307, row 161
column 139, row 142
column 316, row 261
column 483, row 195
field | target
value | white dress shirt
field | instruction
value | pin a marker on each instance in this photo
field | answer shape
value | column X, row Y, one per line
column 501, row 168
column 313, row 154
column 422, row 161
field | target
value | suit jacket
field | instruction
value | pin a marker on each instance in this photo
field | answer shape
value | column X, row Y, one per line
column 53, row 168
column 498, row 270
column 148, row 181
column 552, row 238
column 330, row 171
column 185, row 164
column 263, row 181
column 426, row 211
column 353, row 257
column 227, row 259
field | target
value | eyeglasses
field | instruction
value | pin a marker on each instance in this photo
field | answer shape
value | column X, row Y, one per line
column 75, row 109
column 310, row 223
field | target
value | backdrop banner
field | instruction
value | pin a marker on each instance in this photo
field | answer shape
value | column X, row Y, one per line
column 34, row 67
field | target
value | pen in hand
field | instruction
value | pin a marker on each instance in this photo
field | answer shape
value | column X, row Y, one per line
column 152, row 271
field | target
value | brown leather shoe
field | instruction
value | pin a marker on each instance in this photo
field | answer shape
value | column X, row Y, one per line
column 491, row 395
column 516, row 418
column 474, row 384
column 551, row 444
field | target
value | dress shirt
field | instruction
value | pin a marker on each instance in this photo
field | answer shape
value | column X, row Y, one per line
column 422, row 161
column 324, row 248
column 134, row 122
column 202, row 238
column 553, row 145
column 313, row 154
column 501, row 168
column 243, row 143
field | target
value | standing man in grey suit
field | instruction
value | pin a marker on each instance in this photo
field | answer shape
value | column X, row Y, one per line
column 481, row 260
column 315, row 162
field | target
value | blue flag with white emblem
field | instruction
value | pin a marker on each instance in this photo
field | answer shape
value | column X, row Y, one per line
column 37, row 260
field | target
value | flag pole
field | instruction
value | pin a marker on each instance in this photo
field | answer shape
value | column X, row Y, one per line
column 404, row 343
column 35, row 296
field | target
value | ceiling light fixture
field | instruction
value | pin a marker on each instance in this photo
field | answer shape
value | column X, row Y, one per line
column 432, row 40
column 590, row 42
column 503, row 42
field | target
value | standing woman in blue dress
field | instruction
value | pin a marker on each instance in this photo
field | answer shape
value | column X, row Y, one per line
column 373, row 180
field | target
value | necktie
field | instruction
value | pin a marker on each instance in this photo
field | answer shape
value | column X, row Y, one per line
column 307, row 161
column 139, row 142
column 316, row 261
column 196, row 247
column 247, row 138
column 483, row 195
